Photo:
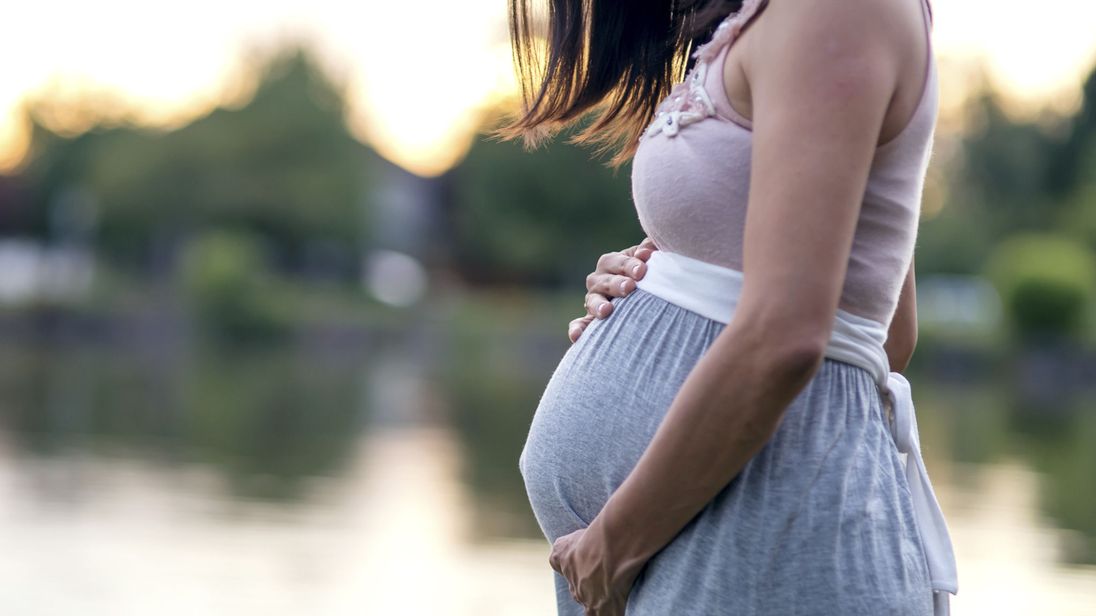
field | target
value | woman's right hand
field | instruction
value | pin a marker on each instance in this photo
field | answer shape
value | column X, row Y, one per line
column 615, row 275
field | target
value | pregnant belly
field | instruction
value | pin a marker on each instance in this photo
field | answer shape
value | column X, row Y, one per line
column 603, row 404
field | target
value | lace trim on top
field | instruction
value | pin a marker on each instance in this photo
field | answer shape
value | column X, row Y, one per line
column 688, row 101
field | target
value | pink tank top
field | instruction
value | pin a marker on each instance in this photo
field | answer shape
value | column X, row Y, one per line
column 691, row 172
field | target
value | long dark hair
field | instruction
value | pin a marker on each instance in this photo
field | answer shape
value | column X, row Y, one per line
column 618, row 56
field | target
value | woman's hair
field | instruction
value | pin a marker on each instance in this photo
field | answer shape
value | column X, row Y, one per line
column 620, row 57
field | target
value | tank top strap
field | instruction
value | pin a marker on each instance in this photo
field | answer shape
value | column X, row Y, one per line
column 728, row 30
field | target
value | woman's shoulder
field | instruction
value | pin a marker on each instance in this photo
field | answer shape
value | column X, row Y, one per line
column 882, row 22
column 842, row 41
column 838, row 48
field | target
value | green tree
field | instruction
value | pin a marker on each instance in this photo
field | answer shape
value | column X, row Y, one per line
column 542, row 216
column 1047, row 282
column 283, row 165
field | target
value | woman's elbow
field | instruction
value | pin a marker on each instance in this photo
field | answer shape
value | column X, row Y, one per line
column 790, row 344
column 796, row 356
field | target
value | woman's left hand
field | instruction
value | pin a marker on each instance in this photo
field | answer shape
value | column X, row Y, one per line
column 594, row 582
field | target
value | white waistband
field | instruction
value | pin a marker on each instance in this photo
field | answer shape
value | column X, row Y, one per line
column 712, row 291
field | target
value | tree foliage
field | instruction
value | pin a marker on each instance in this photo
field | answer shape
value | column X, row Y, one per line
column 283, row 165
column 541, row 216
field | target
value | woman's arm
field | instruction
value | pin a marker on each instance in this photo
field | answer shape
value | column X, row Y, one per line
column 819, row 102
column 902, row 334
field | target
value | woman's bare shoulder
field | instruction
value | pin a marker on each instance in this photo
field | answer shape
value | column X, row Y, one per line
column 833, row 45
column 837, row 24
column 846, row 45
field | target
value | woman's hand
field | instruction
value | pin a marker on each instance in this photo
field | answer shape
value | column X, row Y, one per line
column 600, row 586
column 614, row 276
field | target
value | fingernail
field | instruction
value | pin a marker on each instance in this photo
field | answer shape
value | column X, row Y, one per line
column 635, row 270
column 602, row 310
column 624, row 286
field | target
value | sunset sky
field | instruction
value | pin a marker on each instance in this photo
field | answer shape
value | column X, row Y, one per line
column 418, row 72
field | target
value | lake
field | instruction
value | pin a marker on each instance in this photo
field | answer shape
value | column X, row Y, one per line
column 383, row 480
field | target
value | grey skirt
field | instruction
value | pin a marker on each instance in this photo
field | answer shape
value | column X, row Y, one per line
column 820, row 521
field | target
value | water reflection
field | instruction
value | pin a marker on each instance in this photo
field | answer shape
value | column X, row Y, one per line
column 266, row 504
column 1010, row 558
column 284, row 480
column 987, row 425
column 267, row 421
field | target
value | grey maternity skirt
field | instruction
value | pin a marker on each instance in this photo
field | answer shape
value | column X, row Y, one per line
column 819, row 522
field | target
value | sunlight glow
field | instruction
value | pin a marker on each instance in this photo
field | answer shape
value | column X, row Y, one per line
column 420, row 75
column 1036, row 53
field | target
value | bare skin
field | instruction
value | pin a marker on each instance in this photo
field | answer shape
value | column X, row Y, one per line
column 826, row 83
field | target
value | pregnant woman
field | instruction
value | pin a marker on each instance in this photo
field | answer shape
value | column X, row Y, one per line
column 733, row 436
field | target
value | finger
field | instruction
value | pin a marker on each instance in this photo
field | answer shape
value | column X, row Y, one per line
column 605, row 283
column 577, row 326
column 608, row 279
column 553, row 561
column 612, row 285
column 645, row 250
column 598, row 305
column 616, row 263
column 630, row 251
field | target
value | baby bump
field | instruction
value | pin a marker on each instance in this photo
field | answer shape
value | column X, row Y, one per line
column 603, row 404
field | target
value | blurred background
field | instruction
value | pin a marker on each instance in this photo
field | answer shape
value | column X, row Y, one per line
column 275, row 315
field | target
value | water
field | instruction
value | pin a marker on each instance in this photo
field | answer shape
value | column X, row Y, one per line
column 289, row 480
